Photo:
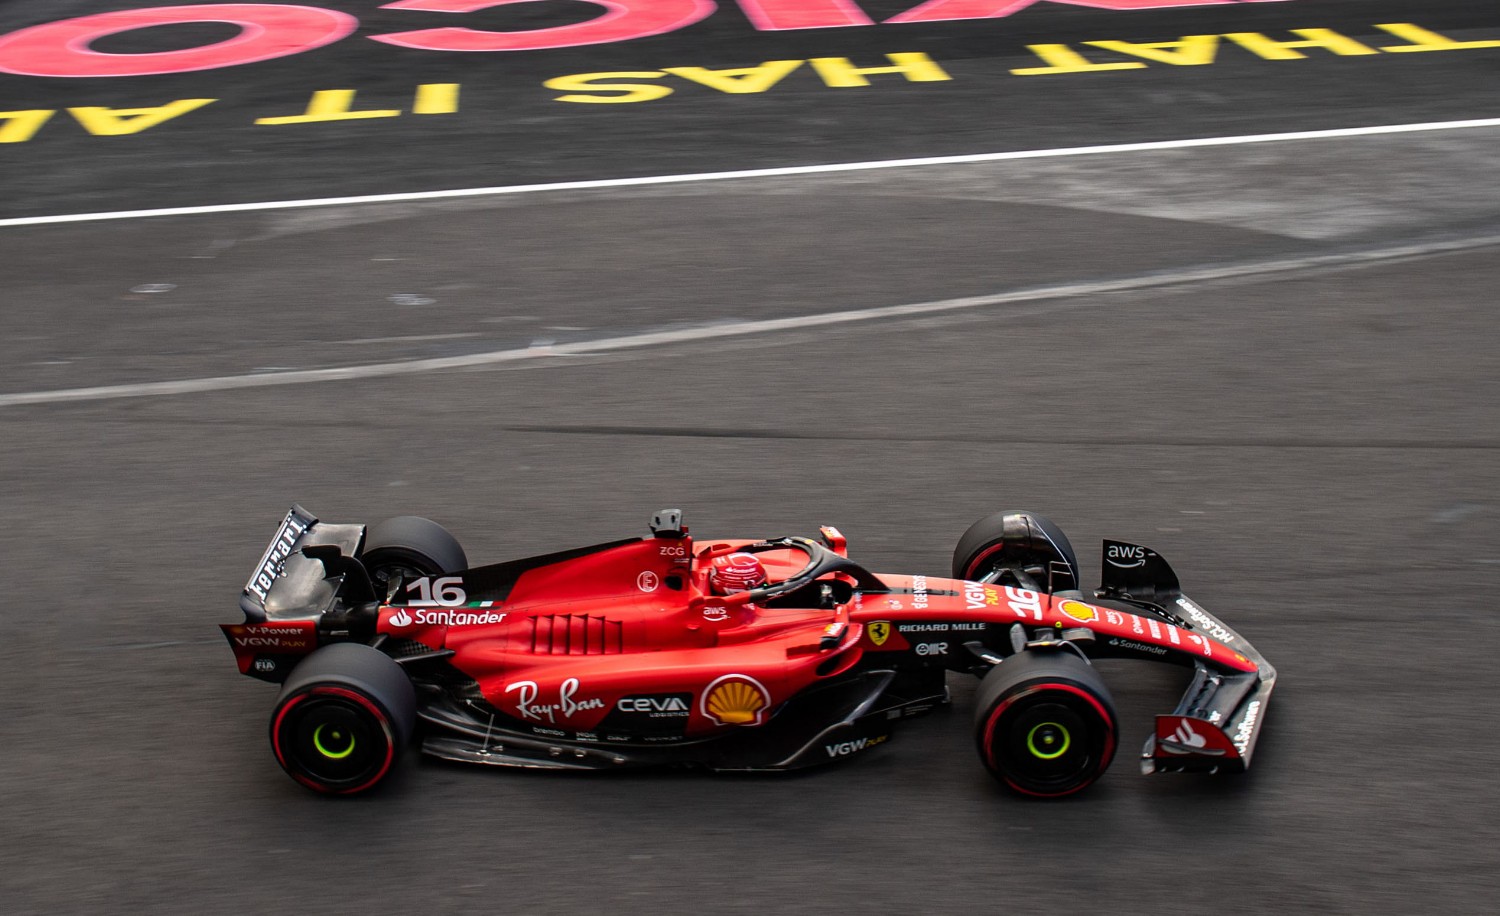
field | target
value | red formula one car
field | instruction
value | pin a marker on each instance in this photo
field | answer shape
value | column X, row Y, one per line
column 726, row 654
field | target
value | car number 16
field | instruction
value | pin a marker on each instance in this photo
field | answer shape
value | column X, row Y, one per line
column 446, row 591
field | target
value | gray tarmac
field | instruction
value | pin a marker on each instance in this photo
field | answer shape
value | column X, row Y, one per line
column 1308, row 434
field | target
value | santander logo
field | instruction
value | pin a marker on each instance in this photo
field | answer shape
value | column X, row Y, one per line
column 1186, row 736
column 443, row 618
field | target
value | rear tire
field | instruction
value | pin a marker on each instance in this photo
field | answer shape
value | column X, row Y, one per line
column 342, row 718
column 1012, row 538
column 1045, row 724
column 410, row 547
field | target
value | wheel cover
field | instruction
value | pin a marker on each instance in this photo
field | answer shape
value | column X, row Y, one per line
column 333, row 739
column 1049, row 739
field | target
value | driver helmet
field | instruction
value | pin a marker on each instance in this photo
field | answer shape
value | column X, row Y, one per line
column 736, row 572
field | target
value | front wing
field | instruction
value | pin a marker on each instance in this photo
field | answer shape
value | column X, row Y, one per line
column 1216, row 725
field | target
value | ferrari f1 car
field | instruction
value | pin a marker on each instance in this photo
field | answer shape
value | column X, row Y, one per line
column 627, row 654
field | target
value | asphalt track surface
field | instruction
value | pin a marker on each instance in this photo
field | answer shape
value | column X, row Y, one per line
column 1275, row 363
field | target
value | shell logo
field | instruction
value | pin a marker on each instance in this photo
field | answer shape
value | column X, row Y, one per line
column 735, row 699
column 1078, row 611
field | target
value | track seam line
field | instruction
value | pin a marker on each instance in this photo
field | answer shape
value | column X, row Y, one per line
column 742, row 328
column 784, row 171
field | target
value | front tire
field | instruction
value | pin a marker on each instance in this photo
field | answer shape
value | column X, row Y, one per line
column 1017, row 539
column 342, row 718
column 1045, row 723
column 410, row 547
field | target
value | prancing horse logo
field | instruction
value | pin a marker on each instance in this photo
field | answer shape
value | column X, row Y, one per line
column 880, row 631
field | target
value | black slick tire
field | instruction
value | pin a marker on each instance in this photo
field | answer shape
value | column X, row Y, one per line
column 1014, row 537
column 342, row 719
column 410, row 546
column 1045, row 723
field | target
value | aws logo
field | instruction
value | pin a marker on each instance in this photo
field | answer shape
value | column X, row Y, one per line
column 1125, row 556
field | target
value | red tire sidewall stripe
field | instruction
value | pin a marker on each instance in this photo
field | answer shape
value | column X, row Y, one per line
column 276, row 728
column 988, row 552
column 994, row 720
column 347, row 694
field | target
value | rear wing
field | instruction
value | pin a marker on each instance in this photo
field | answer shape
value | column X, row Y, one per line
column 1216, row 725
column 288, row 585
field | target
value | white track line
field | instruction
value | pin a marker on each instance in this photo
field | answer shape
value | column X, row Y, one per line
column 743, row 328
column 761, row 173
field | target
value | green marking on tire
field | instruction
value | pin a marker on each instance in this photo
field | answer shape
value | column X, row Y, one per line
column 331, row 755
column 1048, row 740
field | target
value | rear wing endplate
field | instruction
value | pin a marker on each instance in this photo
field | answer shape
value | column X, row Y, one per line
column 287, row 584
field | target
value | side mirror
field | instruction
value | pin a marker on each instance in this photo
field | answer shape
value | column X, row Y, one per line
column 667, row 523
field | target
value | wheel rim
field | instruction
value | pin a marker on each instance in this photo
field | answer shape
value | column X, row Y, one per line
column 1049, row 739
column 333, row 739
column 382, row 575
column 335, row 736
